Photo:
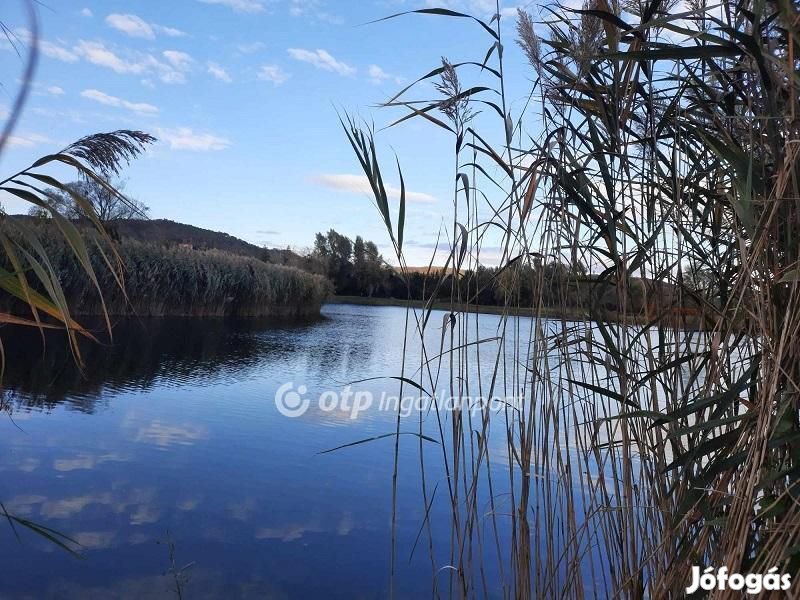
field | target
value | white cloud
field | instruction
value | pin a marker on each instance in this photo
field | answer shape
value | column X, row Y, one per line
column 131, row 25
column 183, row 138
column 176, row 67
column 103, row 98
column 240, row 6
column 86, row 12
column 169, row 31
column 321, row 59
column 360, row 184
column 172, row 71
column 48, row 49
column 250, row 48
column 28, row 140
column 378, row 75
column 97, row 54
column 299, row 8
column 179, row 60
column 218, row 72
column 54, row 90
column 273, row 73
column 135, row 26
column 57, row 52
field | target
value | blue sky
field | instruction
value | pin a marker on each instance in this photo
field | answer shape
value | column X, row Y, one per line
column 242, row 95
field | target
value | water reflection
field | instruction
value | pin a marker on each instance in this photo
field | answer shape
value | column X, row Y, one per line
column 172, row 430
column 143, row 354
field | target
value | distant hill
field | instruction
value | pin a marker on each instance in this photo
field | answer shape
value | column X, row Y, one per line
column 170, row 233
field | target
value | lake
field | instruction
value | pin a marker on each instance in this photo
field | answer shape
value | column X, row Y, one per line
column 169, row 450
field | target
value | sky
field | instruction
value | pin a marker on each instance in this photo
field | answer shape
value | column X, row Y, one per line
column 243, row 97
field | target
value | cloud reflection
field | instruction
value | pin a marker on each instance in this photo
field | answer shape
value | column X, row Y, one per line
column 68, row 507
column 84, row 462
column 164, row 435
column 294, row 531
column 189, row 504
column 95, row 540
column 28, row 465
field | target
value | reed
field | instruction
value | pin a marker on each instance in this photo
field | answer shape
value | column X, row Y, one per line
column 655, row 145
column 27, row 276
column 176, row 281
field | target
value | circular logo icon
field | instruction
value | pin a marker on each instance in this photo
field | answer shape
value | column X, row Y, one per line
column 290, row 402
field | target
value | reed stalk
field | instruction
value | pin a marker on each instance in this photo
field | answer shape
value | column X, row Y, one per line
column 660, row 149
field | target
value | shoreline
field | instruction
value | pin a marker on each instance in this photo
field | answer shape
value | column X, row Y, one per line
column 548, row 313
column 568, row 314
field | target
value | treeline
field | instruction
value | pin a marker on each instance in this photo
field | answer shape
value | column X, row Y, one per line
column 356, row 268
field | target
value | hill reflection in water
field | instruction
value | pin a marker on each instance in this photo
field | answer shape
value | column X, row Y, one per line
column 144, row 353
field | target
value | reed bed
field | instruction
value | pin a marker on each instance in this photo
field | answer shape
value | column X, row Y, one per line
column 654, row 144
column 176, row 281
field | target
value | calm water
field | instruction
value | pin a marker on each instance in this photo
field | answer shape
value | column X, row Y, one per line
column 172, row 436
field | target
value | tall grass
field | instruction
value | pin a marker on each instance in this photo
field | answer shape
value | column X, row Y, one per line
column 176, row 281
column 95, row 159
column 27, row 275
column 654, row 144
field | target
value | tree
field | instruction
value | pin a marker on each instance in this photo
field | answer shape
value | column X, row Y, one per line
column 373, row 267
column 335, row 251
column 107, row 204
column 359, row 262
column 354, row 267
